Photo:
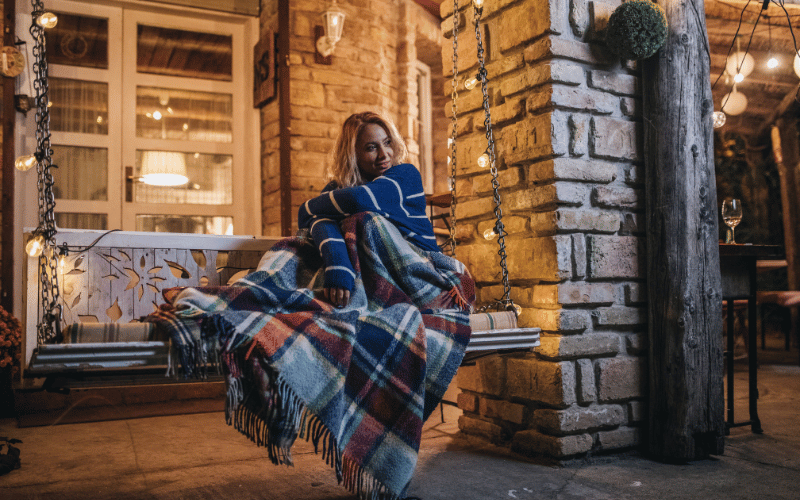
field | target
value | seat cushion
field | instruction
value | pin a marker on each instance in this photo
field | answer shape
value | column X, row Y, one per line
column 81, row 333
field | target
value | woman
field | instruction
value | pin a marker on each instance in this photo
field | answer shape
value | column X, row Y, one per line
column 348, row 338
column 367, row 167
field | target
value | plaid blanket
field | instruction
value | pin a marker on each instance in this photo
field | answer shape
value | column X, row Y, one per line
column 358, row 382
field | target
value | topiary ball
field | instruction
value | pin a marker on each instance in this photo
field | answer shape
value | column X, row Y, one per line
column 636, row 29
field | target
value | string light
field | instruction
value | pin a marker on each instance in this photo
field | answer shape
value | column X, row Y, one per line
column 489, row 234
column 738, row 78
column 719, row 119
column 484, row 160
column 25, row 163
column 772, row 63
column 62, row 257
column 35, row 245
column 470, row 83
column 47, row 20
column 518, row 309
column 478, row 4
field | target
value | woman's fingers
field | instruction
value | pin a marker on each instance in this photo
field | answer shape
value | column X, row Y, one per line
column 339, row 297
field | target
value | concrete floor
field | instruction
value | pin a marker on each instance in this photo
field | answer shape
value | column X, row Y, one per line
column 199, row 457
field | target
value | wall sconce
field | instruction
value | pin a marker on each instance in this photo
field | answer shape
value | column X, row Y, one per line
column 333, row 20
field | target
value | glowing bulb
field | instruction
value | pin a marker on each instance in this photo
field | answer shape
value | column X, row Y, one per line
column 719, row 119
column 24, row 163
column 185, row 127
column 62, row 259
column 49, row 104
column 169, row 110
column 518, row 309
column 157, row 115
column 99, row 119
column 47, row 20
column 478, row 4
column 35, row 246
column 484, row 160
column 738, row 78
column 489, row 234
column 470, row 83
column 772, row 63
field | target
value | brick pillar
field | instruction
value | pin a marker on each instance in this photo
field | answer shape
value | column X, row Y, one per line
column 567, row 125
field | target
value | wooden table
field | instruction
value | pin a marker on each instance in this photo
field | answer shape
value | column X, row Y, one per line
column 738, row 269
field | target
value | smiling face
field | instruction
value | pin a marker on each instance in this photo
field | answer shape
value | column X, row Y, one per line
column 374, row 151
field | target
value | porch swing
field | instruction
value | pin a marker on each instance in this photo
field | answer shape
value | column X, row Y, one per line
column 492, row 331
column 165, row 261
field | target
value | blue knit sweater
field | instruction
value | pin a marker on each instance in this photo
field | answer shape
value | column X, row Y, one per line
column 397, row 195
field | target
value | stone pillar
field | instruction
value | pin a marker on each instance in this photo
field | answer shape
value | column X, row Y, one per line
column 567, row 126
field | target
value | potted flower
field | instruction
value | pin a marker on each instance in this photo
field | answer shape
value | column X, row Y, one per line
column 10, row 355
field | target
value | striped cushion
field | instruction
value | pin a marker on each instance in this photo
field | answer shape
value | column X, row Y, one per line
column 503, row 320
column 81, row 333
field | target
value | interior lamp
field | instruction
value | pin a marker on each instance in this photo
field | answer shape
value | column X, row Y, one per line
column 164, row 168
column 333, row 21
column 734, row 103
column 739, row 63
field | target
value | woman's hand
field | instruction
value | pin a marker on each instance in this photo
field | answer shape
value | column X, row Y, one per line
column 339, row 297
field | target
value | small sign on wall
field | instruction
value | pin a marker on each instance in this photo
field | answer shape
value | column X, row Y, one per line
column 264, row 73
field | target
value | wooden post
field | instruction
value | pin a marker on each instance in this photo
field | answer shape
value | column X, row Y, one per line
column 285, row 119
column 683, row 273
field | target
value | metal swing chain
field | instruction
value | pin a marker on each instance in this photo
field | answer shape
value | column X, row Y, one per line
column 505, row 302
column 49, row 326
column 451, row 241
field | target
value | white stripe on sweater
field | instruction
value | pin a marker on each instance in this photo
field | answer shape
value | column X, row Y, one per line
column 340, row 240
column 340, row 268
column 336, row 205
column 415, row 195
column 400, row 191
column 372, row 197
column 319, row 220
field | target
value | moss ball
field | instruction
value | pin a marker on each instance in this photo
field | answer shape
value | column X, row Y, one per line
column 636, row 29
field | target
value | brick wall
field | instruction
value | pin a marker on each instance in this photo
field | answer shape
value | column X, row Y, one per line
column 567, row 128
column 372, row 69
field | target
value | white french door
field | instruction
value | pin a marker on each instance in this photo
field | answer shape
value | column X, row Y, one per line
column 140, row 91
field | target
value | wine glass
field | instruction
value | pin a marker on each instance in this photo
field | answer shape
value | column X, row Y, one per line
column 732, row 214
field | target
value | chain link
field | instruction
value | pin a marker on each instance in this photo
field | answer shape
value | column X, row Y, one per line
column 505, row 301
column 49, row 326
column 451, row 241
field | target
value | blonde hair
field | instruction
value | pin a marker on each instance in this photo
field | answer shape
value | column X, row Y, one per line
column 344, row 168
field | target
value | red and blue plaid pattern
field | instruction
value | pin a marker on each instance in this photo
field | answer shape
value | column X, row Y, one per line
column 359, row 381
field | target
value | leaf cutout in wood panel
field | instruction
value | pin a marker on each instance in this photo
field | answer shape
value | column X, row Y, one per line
column 75, row 271
column 78, row 261
column 110, row 258
column 222, row 260
column 155, row 270
column 243, row 272
column 88, row 319
column 127, row 257
column 114, row 312
column 134, row 278
column 203, row 280
column 152, row 288
column 68, row 287
column 155, row 307
column 156, row 279
column 75, row 302
column 141, row 292
column 111, row 277
column 199, row 258
column 142, row 262
column 178, row 270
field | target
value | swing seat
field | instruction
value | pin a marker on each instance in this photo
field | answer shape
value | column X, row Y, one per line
column 497, row 332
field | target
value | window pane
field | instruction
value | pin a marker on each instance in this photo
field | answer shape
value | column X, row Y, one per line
column 81, row 221
column 78, row 41
column 183, row 115
column 210, row 178
column 78, row 106
column 165, row 51
column 184, row 224
column 82, row 173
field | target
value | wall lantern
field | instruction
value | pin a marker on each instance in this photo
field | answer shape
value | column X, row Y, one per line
column 333, row 20
column 164, row 168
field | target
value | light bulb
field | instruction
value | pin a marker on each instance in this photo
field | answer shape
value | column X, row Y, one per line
column 489, row 234
column 484, row 160
column 25, row 163
column 478, row 4
column 518, row 309
column 772, row 63
column 47, row 20
column 738, row 78
column 719, row 119
column 157, row 115
column 35, row 246
column 470, row 83
column 62, row 259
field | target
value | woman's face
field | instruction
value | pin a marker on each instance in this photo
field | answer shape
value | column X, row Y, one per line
column 374, row 151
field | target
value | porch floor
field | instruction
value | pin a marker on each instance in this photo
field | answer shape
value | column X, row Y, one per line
column 197, row 456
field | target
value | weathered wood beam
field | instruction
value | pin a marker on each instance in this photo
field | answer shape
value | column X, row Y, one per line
column 683, row 273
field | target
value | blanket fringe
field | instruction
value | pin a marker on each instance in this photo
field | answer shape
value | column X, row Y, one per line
column 260, row 428
column 459, row 299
